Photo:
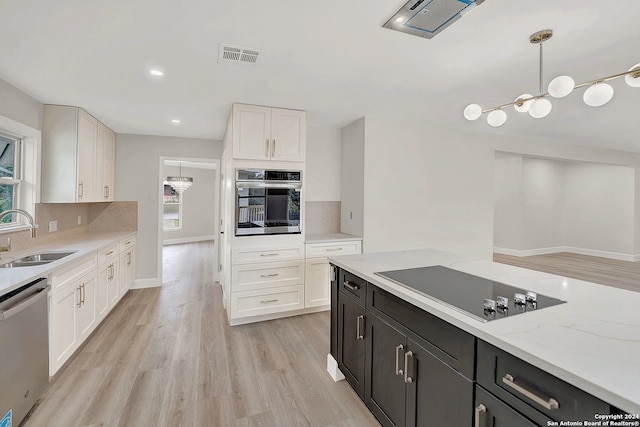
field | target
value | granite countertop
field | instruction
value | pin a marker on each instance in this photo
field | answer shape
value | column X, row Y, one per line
column 13, row 278
column 330, row 237
column 591, row 342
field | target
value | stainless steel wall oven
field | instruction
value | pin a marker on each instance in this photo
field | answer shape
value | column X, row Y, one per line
column 267, row 202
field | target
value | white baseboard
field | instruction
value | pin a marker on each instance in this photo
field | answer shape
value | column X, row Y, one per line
column 332, row 368
column 146, row 283
column 572, row 249
column 167, row 242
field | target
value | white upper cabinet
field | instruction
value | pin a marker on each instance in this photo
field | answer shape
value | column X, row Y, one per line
column 78, row 155
column 264, row 133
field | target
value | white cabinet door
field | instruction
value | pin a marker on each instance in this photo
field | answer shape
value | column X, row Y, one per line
column 317, row 283
column 251, row 132
column 86, row 317
column 288, row 135
column 102, row 298
column 86, row 155
column 62, row 326
column 105, row 163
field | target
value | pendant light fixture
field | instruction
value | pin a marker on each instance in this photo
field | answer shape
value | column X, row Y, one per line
column 180, row 183
column 598, row 92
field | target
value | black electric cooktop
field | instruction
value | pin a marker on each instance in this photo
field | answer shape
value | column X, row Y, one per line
column 483, row 299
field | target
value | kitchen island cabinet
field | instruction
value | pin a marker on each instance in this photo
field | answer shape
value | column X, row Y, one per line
column 560, row 380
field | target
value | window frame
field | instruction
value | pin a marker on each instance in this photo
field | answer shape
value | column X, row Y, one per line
column 14, row 181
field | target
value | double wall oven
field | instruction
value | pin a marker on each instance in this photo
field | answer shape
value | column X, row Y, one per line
column 267, row 202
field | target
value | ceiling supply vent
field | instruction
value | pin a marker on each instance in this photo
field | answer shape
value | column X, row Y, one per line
column 238, row 54
column 426, row 18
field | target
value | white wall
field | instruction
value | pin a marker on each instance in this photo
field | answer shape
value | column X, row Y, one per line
column 352, row 167
column 199, row 206
column 17, row 105
column 507, row 215
column 543, row 198
column 599, row 207
column 427, row 186
column 323, row 164
column 137, row 176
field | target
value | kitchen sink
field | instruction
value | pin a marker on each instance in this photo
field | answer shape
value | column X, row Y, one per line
column 38, row 258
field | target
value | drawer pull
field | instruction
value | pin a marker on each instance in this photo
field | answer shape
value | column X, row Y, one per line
column 359, row 334
column 407, row 378
column 480, row 409
column 333, row 249
column 109, row 253
column 270, row 275
column 399, row 349
column 267, row 301
column 271, row 254
column 347, row 284
column 549, row 404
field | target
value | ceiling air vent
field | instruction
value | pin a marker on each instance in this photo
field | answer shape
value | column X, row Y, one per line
column 238, row 55
column 426, row 18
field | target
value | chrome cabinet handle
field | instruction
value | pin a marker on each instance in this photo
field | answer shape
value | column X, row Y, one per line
column 270, row 275
column 549, row 404
column 399, row 349
column 105, row 193
column 480, row 409
column 266, row 152
column 359, row 334
column 129, row 258
column 333, row 249
column 271, row 254
column 273, row 150
column 407, row 378
column 79, row 304
column 109, row 253
column 82, row 295
column 347, row 284
column 267, row 301
column 81, row 190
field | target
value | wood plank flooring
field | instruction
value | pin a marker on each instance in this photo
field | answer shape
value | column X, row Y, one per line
column 610, row 272
column 167, row 357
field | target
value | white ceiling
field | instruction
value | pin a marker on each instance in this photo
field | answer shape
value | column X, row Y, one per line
column 331, row 58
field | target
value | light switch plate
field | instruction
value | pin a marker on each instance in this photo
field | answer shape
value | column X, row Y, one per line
column 53, row 226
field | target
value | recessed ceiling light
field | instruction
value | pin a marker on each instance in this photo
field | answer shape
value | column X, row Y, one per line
column 156, row 72
column 175, row 121
column 400, row 19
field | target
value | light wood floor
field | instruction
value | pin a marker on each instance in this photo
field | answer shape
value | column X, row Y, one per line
column 167, row 357
column 610, row 272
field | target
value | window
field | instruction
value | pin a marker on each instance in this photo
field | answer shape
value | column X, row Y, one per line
column 9, row 176
column 172, row 205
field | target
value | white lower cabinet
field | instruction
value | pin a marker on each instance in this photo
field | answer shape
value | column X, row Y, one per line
column 73, row 316
column 317, row 281
column 83, row 293
column 267, row 301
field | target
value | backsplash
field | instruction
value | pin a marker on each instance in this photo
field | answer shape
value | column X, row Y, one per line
column 94, row 218
column 322, row 217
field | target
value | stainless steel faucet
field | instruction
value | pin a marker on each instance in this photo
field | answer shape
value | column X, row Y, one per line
column 31, row 224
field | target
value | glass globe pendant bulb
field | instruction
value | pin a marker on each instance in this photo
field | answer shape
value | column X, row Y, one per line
column 540, row 108
column 598, row 94
column 472, row 112
column 496, row 118
column 561, row 86
column 524, row 106
column 633, row 80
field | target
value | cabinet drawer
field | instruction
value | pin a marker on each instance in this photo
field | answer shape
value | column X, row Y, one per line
column 491, row 411
column 63, row 277
column 267, row 275
column 314, row 250
column 127, row 243
column 251, row 255
column 267, row 301
column 535, row 393
column 453, row 346
column 108, row 254
column 353, row 286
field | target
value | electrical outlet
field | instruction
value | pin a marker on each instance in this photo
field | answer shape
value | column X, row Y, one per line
column 53, row 226
column 79, row 219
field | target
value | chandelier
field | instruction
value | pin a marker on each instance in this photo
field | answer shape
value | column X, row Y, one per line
column 598, row 92
column 180, row 183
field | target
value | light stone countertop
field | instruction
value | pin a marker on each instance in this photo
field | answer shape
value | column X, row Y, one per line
column 330, row 238
column 591, row 342
column 13, row 278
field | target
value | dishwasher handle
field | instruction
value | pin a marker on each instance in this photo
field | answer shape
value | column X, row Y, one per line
column 12, row 311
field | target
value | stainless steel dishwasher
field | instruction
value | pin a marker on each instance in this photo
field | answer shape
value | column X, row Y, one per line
column 24, row 350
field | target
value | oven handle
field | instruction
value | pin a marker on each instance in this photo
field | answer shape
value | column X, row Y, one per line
column 292, row 185
column 5, row 314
